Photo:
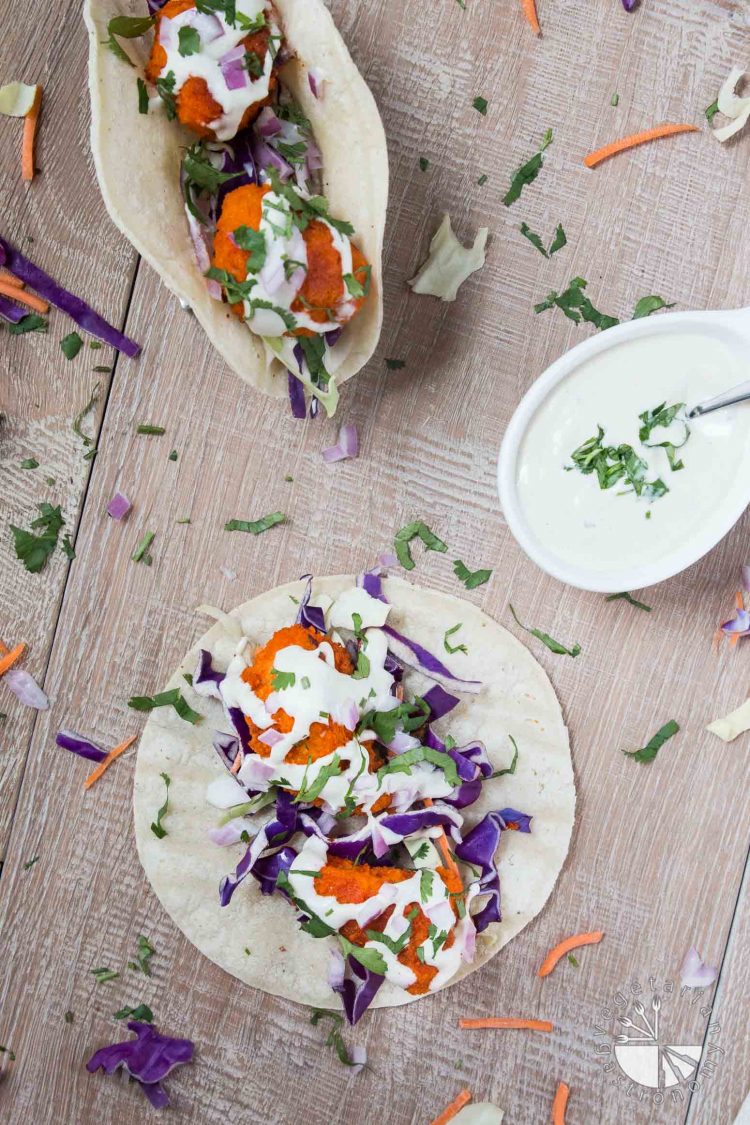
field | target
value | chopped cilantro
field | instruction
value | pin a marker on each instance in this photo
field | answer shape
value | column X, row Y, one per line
column 557, row 243
column 103, row 975
column 71, row 345
column 480, row 105
column 173, row 455
column 335, row 1038
column 126, row 27
column 30, row 463
column 67, row 548
column 141, row 554
column 711, row 111
column 414, row 530
column 470, row 579
column 546, row 639
column 171, row 698
column 446, row 643
column 628, row 598
column 482, row 180
column 280, row 681
column 143, row 954
column 147, row 428
column 256, row 527
column 648, row 752
column 424, row 163
column 528, row 172
column 254, row 241
column 141, row 1012
column 156, row 826
column 188, row 41
column 142, row 96
column 30, row 863
column 32, row 322
column 651, row 304
column 614, row 100
column 395, row 364
column 165, row 85
column 372, row 959
column 34, row 550
column 574, row 303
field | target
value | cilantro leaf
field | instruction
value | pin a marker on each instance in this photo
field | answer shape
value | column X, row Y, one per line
column 546, row 639
column 256, row 527
column 648, row 752
column 253, row 241
column 372, row 959
column 141, row 1012
column 414, row 530
column 71, row 345
column 470, row 579
column 171, row 698
column 446, row 643
column 280, row 681
column 103, row 975
column 144, row 952
column 156, row 826
column 528, row 172
column 424, row 163
column 480, row 105
column 403, row 763
column 574, row 303
column 34, row 550
column 335, row 1038
column 189, row 41
column 142, row 96
column 395, row 364
column 628, row 598
column 165, row 88
column 425, row 883
column 32, row 322
column 711, row 111
column 651, row 304
column 126, row 27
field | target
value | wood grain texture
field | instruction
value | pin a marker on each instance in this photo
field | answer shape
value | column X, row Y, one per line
column 659, row 852
column 67, row 232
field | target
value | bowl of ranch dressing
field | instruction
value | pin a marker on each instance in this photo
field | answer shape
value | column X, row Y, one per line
column 603, row 480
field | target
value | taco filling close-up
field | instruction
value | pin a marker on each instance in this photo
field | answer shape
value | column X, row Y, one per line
column 246, row 103
column 363, row 809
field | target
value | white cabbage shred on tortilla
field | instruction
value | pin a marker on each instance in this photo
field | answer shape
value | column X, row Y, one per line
column 732, row 725
column 449, row 262
column 731, row 105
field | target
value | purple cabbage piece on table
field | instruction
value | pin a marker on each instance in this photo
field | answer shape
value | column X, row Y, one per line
column 629, row 5
column 148, row 1058
column 83, row 315
column 479, row 847
column 11, row 312
column 358, row 989
column 78, row 744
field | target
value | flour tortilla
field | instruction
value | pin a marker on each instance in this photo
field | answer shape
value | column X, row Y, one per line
column 185, row 867
column 137, row 160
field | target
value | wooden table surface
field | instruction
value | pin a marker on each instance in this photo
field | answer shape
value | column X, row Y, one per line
column 659, row 852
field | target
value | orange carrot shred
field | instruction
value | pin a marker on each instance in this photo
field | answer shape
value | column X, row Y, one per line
column 107, row 762
column 529, row 10
column 566, row 946
column 503, row 1022
column 236, row 764
column 559, row 1103
column 11, row 279
column 739, row 600
column 442, row 845
column 9, row 658
column 451, row 1110
column 30, row 123
column 634, row 140
column 8, row 289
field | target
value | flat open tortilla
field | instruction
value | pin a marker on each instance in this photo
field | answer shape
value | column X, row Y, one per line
column 137, row 159
column 185, row 867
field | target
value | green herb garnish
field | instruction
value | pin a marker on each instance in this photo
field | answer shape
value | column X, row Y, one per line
column 424, row 163
column 173, row 455
column 30, row 463
column 480, row 105
column 574, row 303
column 282, row 680
column 103, row 975
column 528, row 172
column 156, row 826
column 34, row 550
column 141, row 1012
column 511, row 769
column 309, row 793
column 256, row 527
column 648, row 752
column 126, row 27
column 470, row 579
column 144, row 952
column 165, row 88
column 140, row 554
column 446, row 643
column 630, row 599
column 482, row 180
column 142, row 96
column 395, row 364
column 557, row 243
column 651, row 304
column 425, row 884
column 30, row 863
column 573, row 960
column 711, row 111
column 335, row 1038
column 79, row 419
column 372, row 959
column 546, row 639
column 171, row 698
column 254, row 241
column 188, row 41
column 614, row 463
column 614, row 100
column 403, row 763
column 71, row 345
column 417, row 529
column 147, row 428
column 32, row 322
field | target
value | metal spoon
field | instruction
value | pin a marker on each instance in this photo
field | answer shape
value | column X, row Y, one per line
column 728, row 398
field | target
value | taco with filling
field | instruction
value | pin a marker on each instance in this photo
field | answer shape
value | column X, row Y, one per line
column 349, row 808
column 241, row 152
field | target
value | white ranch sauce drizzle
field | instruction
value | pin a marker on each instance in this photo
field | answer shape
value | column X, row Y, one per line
column 436, row 906
column 598, row 529
column 284, row 242
column 205, row 64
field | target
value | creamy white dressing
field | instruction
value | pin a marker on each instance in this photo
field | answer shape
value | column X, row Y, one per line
column 433, row 898
column 372, row 611
column 602, row 530
column 206, row 64
column 279, row 285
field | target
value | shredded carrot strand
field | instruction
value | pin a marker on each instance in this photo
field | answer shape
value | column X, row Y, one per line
column 739, row 600
column 502, row 1022
column 9, row 658
column 559, row 1104
column 11, row 279
column 30, row 123
column 9, row 290
column 442, row 845
column 107, row 762
column 634, row 140
column 529, row 10
column 236, row 764
column 566, row 946
column 451, row 1110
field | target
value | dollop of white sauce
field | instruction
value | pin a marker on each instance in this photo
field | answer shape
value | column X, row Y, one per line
column 602, row 530
column 205, row 64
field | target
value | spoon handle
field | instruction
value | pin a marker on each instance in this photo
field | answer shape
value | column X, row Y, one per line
column 728, row 398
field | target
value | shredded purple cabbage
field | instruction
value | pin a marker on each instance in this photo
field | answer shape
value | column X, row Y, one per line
column 79, row 744
column 268, row 868
column 440, row 702
column 11, row 312
column 478, row 848
column 83, row 315
column 148, row 1058
column 311, row 616
column 277, row 831
column 358, row 989
column 412, row 653
column 296, row 392
column 206, row 679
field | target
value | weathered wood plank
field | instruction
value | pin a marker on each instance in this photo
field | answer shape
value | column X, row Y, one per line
column 59, row 221
column 653, row 845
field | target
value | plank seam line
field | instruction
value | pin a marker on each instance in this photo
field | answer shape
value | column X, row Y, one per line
column 57, row 612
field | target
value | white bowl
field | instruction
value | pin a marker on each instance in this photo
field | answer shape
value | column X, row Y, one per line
column 733, row 330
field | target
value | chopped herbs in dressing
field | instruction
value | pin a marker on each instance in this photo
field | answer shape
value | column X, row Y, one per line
column 282, row 680
column 648, row 752
column 156, row 827
column 546, row 639
column 470, row 578
column 256, row 527
column 171, row 698
column 416, row 530
column 528, row 172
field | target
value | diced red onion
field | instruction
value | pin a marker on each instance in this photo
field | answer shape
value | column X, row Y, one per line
column 315, row 80
column 119, row 506
column 403, row 741
column 268, row 124
column 270, row 737
column 255, row 772
column 233, row 68
column 24, row 686
column 695, row 973
column 346, row 714
column 208, row 26
column 346, row 448
column 267, row 157
column 230, row 833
